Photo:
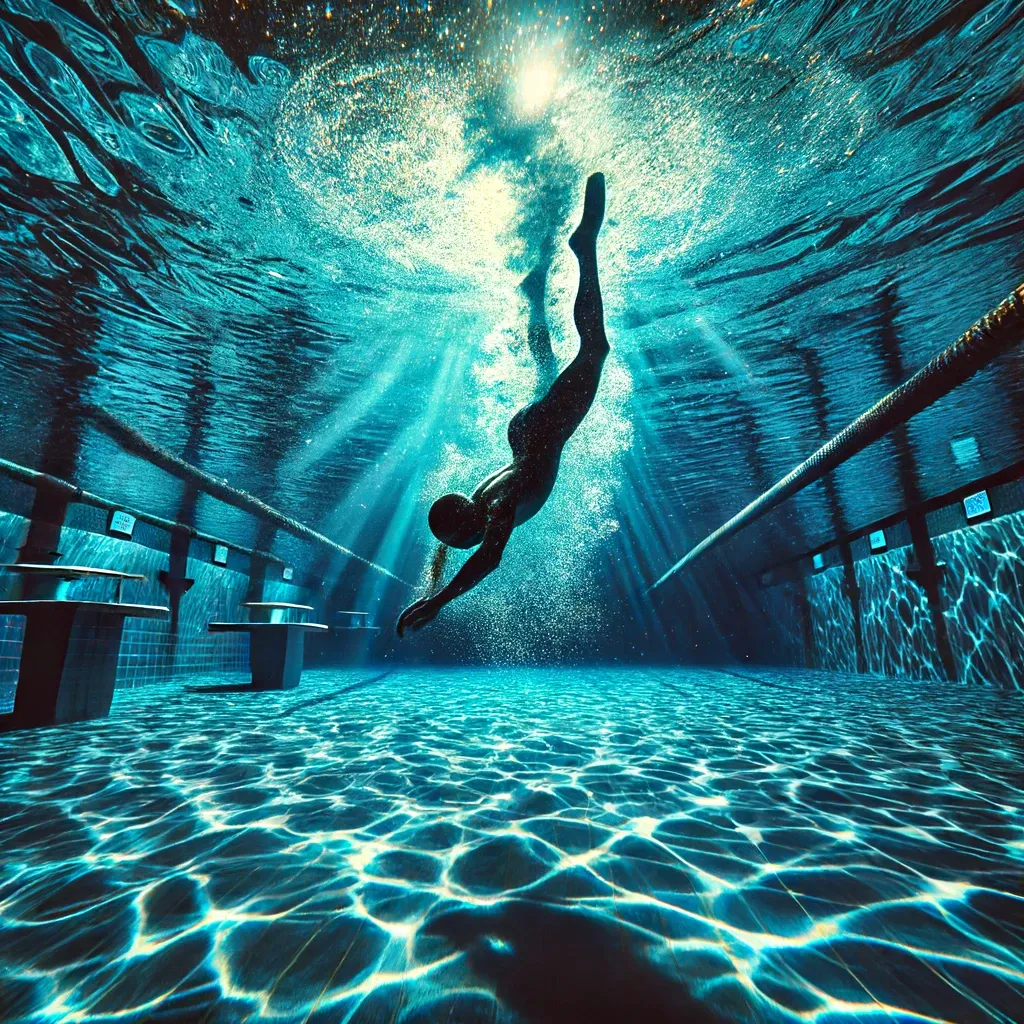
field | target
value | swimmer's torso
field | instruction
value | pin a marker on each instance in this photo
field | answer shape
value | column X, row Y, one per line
column 529, row 479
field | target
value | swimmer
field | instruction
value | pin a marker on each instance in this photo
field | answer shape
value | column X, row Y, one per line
column 536, row 435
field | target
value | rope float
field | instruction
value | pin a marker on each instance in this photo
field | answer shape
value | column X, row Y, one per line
column 992, row 336
column 133, row 442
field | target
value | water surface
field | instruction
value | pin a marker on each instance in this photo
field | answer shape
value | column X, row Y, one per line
column 286, row 245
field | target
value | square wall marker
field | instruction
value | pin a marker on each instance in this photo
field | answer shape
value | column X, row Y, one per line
column 121, row 524
column 977, row 505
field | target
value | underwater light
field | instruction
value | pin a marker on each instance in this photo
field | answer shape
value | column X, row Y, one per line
column 536, row 86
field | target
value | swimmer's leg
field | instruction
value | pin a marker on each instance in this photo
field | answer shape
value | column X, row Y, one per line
column 589, row 310
column 537, row 335
column 562, row 410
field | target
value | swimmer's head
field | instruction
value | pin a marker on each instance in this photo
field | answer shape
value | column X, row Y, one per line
column 457, row 521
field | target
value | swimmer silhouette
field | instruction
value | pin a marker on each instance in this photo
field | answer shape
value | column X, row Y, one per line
column 536, row 435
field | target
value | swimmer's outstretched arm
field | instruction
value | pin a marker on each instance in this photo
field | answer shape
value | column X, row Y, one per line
column 481, row 563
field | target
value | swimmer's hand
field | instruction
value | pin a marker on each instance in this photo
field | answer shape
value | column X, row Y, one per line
column 417, row 615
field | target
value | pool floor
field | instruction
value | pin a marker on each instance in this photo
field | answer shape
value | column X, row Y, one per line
column 477, row 845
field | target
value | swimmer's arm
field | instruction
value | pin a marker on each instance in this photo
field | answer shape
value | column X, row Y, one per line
column 480, row 564
column 483, row 561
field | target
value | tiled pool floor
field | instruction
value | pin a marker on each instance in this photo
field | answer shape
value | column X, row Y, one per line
column 461, row 846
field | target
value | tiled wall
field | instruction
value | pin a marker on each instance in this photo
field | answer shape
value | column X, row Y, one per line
column 148, row 652
column 983, row 594
column 215, row 597
column 278, row 590
column 899, row 636
column 983, row 603
column 984, row 590
column 12, row 627
column 831, row 622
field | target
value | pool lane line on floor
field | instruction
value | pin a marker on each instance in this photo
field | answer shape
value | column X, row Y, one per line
column 225, row 688
column 740, row 675
column 302, row 705
column 721, row 672
column 248, row 688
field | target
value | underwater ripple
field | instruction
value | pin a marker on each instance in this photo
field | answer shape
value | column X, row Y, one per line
column 520, row 845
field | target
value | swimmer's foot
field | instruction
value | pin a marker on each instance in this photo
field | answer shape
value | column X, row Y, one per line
column 584, row 238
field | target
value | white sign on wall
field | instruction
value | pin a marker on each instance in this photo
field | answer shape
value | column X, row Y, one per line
column 877, row 540
column 121, row 524
column 287, row 573
column 220, row 554
column 977, row 505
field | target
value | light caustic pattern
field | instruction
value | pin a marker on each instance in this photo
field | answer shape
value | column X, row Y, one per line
column 345, row 236
column 520, row 846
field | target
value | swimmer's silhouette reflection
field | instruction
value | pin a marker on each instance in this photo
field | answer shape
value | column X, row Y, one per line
column 550, row 965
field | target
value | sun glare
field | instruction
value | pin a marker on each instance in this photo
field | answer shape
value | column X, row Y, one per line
column 536, row 86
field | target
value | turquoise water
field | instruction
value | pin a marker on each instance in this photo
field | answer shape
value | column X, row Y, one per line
column 285, row 241
column 520, row 846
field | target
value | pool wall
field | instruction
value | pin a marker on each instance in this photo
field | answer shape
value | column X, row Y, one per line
column 803, row 617
column 149, row 651
column 981, row 594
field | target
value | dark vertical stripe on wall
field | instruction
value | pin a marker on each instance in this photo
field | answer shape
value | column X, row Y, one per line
column 197, row 421
column 930, row 580
column 803, row 602
column 753, row 439
column 908, row 472
column 852, row 591
column 833, row 503
column 74, row 324
column 258, row 563
column 281, row 363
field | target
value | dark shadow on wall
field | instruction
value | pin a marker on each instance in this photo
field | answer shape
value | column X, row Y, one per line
column 71, row 325
column 814, row 369
column 550, row 965
column 929, row 578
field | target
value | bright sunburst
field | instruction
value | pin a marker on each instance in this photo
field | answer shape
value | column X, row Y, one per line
column 536, row 86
